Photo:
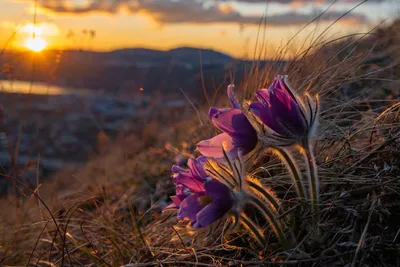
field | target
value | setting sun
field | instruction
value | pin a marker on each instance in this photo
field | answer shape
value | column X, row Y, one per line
column 36, row 44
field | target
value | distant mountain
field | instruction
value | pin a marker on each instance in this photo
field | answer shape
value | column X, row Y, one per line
column 206, row 56
column 187, row 55
column 141, row 57
column 126, row 70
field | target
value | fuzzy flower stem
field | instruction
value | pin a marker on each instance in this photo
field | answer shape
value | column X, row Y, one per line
column 293, row 169
column 253, row 228
column 265, row 194
column 236, row 221
column 271, row 218
column 313, row 180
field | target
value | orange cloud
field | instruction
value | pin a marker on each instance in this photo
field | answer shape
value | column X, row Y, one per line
column 193, row 11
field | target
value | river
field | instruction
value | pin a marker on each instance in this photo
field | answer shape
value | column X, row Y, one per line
column 38, row 88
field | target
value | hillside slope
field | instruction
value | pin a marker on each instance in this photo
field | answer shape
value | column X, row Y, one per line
column 108, row 213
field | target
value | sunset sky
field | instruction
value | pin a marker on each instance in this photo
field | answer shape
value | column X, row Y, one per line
column 226, row 26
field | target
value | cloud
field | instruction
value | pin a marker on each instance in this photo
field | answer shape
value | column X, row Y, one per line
column 304, row 1
column 192, row 11
column 300, row 3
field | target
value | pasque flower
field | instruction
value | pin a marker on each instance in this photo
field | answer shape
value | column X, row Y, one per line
column 200, row 199
column 238, row 133
column 292, row 121
column 284, row 113
column 247, row 190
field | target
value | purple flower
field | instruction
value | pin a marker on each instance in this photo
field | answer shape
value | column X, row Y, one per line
column 237, row 134
column 192, row 178
column 220, row 201
column 200, row 199
column 181, row 194
column 280, row 110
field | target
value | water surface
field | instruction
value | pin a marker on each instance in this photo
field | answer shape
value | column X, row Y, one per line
column 37, row 88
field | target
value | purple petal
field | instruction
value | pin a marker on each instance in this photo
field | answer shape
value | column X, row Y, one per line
column 180, row 190
column 212, row 112
column 279, row 109
column 275, row 84
column 192, row 183
column 259, row 109
column 218, row 191
column 284, row 86
column 231, row 96
column 281, row 97
column 191, row 206
column 197, row 167
column 210, row 214
column 178, row 169
column 287, row 113
column 222, row 202
column 266, row 115
column 187, row 179
column 177, row 199
column 234, row 123
column 263, row 95
column 212, row 147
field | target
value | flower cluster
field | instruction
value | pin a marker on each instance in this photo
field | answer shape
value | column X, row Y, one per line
column 199, row 198
column 216, row 185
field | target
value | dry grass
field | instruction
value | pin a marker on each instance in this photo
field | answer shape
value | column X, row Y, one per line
column 108, row 214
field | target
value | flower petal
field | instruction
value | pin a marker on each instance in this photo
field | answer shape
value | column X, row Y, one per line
column 213, row 147
column 212, row 112
column 283, row 83
column 189, row 181
column 259, row 109
column 283, row 98
column 275, row 84
column 178, row 169
column 211, row 213
column 262, row 111
column 180, row 190
column 267, row 116
column 177, row 199
column 234, row 123
column 197, row 166
column 218, row 191
column 191, row 206
column 221, row 197
column 287, row 112
column 186, row 178
column 263, row 95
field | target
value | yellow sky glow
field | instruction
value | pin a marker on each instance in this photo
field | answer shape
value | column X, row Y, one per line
column 125, row 30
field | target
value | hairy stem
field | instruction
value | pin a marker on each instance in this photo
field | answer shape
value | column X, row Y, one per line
column 313, row 181
column 272, row 219
column 265, row 193
column 253, row 229
column 288, row 160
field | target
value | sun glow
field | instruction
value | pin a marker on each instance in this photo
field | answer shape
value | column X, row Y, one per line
column 36, row 44
column 32, row 29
